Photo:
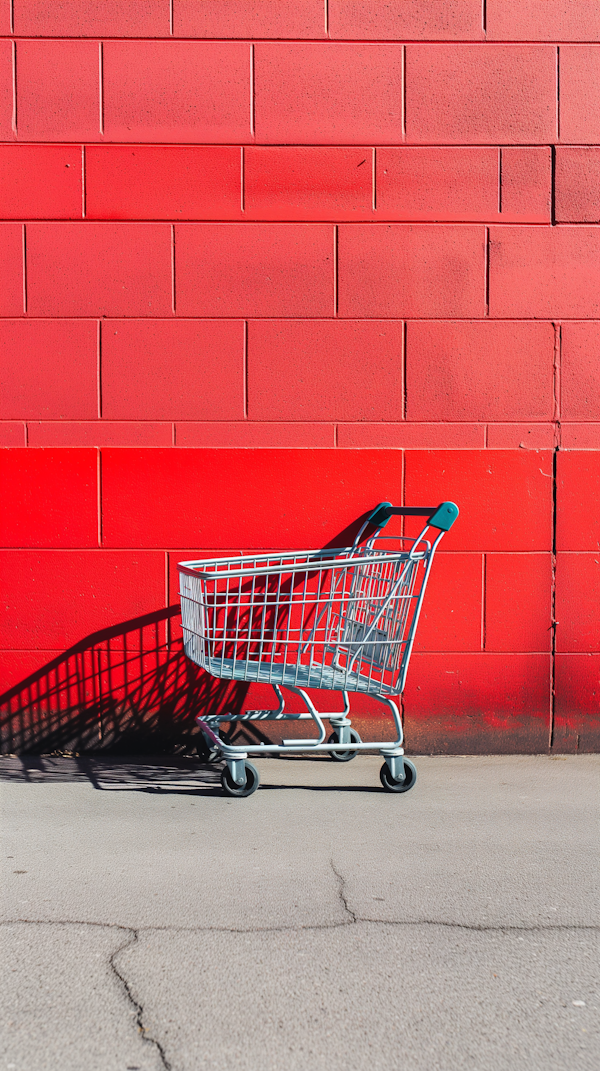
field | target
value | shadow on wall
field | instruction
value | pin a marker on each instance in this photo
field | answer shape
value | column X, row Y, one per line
column 119, row 689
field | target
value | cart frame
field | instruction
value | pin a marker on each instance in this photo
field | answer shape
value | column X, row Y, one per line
column 352, row 630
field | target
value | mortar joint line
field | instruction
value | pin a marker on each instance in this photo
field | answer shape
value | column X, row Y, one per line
column 558, row 92
column 101, row 85
column 24, row 255
column 403, row 123
column 487, row 271
column 12, row 16
column 335, row 269
column 99, row 493
column 171, row 17
column 173, row 282
column 167, row 622
column 374, row 180
column 556, row 381
column 326, row 14
column 483, row 601
column 404, row 368
column 83, row 186
column 242, row 178
column 553, row 624
column 252, row 116
column 99, row 368
column 557, row 438
column 245, row 370
column 553, row 185
column 14, row 87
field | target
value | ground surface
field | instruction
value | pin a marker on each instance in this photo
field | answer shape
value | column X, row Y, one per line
column 152, row 923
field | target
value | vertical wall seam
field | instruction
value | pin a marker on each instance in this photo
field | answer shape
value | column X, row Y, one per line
column 174, row 433
column 167, row 619
column 487, row 271
column 252, row 90
column 14, row 88
column 12, row 16
column 242, row 178
column 24, row 233
column 335, row 268
column 26, row 432
column 336, row 435
column 558, row 92
column 484, row 16
column 101, row 84
column 553, row 185
column 99, row 368
column 171, row 17
column 499, row 180
column 404, row 366
column 556, row 381
column 403, row 92
column 99, row 504
column 173, row 287
column 83, row 189
column 483, row 601
column 374, row 181
column 553, row 622
column 245, row 369
column 553, row 606
column 402, row 502
column 326, row 13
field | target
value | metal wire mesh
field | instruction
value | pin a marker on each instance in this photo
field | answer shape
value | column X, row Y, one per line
column 336, row 619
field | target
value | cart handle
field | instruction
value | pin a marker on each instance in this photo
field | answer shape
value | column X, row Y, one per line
column 442, row 516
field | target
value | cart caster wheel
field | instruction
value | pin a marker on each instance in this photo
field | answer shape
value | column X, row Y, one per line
column 252, row 780
column 344, row 756
column 410, row 776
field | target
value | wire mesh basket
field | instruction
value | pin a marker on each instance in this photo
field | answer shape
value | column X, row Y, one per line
column 339, row 619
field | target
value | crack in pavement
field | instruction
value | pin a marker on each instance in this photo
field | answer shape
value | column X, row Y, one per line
column 341, row 884
column 132, row 939
column 138, row 1008
column 473, row 927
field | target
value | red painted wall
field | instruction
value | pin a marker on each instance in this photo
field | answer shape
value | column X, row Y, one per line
column 264, row 263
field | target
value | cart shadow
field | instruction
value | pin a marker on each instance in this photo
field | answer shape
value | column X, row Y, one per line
column 147, row 774
column 128, row 689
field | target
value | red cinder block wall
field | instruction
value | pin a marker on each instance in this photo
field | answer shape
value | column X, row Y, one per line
column 263, row 264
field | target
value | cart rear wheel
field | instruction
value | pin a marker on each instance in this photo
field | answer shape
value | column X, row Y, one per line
column 251, row 784
column 410, row 776
column 344, row 756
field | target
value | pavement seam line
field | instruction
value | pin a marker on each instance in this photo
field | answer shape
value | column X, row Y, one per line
column 354, row 919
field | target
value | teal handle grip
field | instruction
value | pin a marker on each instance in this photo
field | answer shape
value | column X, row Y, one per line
column 442, row 516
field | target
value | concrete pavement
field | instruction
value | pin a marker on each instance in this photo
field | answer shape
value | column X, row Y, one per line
column 151, row 923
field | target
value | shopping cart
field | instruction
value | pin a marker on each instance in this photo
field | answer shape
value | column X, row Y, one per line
column 342, row 619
